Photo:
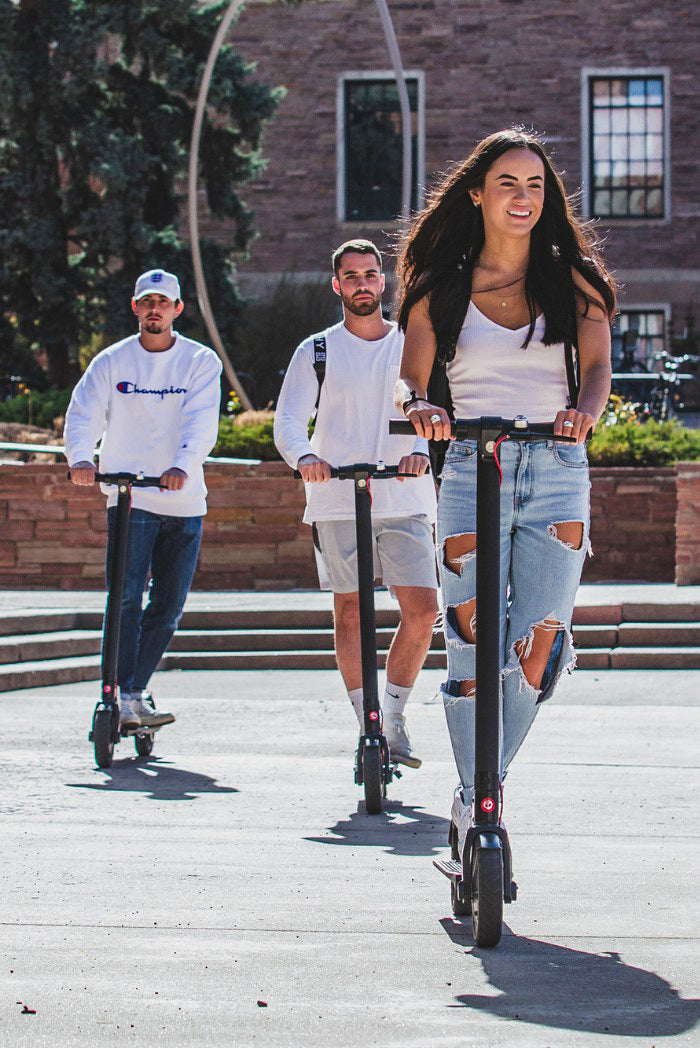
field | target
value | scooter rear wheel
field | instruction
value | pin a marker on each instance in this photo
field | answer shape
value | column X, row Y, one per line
column 487, row 896
column 372, row 775
column 102, row 738
column 144, row 744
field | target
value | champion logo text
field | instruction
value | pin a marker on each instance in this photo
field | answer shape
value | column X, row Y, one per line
column 132, row 387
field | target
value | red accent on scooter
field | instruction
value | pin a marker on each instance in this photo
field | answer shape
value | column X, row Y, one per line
column 488, row 804
column 107, row 688
column 374, row 715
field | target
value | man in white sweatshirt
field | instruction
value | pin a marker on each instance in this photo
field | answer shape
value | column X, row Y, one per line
column 363, row 354
column 154, row 399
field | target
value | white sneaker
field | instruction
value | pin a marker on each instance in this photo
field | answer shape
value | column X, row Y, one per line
column 128, row 717
column 462, row 816
column 149, row 716
column 398, row 741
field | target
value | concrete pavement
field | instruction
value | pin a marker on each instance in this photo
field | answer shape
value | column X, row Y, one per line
column 230, row 890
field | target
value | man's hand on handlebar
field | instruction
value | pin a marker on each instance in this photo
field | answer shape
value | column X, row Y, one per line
column 416, row 465
column 313, row 470
column 429, row 421
column 83, row 473
column 574, row 424
column 173, row 479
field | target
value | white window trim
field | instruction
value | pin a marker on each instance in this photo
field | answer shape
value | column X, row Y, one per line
column 381, row 74
column 650, row 307
column 588, row 72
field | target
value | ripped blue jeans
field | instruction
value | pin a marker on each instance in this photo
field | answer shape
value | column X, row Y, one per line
column 544, row 485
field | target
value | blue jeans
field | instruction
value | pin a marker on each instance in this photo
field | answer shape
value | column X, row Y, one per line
column 544, row 484
column 168, row 547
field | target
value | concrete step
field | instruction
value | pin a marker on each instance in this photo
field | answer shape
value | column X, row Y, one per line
column 300, row 618
column 653, row 634
column 49, row 672
column 33, row 647
column 655, row 658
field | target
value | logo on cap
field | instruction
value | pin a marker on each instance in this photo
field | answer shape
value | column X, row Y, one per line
column 157, row 277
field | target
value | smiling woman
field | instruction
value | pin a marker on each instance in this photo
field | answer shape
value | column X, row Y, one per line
column 506, row 306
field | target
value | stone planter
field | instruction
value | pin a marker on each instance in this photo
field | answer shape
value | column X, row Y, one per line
column 52, row 534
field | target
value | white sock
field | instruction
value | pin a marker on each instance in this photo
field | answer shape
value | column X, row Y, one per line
column 395, row 698
column 356, row 698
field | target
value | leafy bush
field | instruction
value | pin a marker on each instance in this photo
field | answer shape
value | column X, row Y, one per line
column 627, row 443
column 36, row 409
column 246, row 441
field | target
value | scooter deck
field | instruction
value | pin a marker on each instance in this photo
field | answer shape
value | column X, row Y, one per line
column 451, row 868
column 144, row 729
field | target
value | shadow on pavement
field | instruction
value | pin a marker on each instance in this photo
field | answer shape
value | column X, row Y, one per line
column 401, row 829
column 155, row 778
column 567, row 989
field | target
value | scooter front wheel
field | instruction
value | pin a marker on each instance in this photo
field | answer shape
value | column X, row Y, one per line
column 373, row 778
column 144, row 744
column 487, row 895
column 102, row 738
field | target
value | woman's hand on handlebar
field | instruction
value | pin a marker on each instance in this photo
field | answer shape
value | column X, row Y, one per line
column 313, row 470
column 430, row 421
column 581, row 424
column 414, row 464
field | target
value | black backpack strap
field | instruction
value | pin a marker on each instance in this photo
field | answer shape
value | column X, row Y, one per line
column 439, row 393
column 572, row 373
column 319, row 365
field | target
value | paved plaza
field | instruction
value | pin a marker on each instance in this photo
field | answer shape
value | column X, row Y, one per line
column 230, row 890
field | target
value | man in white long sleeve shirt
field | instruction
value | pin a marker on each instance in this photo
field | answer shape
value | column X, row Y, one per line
column 154, row 399
column 363, row 355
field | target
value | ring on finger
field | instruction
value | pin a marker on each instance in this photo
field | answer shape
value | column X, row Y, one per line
column 568, row 423
column 435, row 418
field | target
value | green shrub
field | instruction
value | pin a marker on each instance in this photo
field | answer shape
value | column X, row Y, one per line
column 253, row 441
column 36, row 409
column 650, row 444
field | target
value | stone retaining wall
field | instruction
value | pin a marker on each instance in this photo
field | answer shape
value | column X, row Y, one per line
column 687, row 524
column 52, row 534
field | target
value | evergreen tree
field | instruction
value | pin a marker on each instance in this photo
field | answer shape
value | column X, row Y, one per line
column 96, row 108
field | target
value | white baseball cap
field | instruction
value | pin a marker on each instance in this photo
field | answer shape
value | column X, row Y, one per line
column 158, row 282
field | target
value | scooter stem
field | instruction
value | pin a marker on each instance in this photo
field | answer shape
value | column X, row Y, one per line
column 368, row 625
column 116, row 592
column 488, row 588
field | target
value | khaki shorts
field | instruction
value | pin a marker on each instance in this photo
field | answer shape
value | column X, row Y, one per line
column 404, row 553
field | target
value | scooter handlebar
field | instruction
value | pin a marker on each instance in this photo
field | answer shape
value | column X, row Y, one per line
column 472, row 428
column 375, row 470
column 134, row 480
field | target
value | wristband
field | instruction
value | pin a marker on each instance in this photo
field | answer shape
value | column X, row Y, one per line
column 413, row 399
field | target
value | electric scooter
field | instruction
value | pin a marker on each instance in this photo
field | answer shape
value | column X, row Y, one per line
column 482, row 880
column 105, row 733
column 374, row 768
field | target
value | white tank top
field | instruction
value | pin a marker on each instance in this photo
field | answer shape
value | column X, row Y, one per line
column 491, row 374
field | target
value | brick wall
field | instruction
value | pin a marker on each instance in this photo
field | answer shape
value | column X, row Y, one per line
column 688, row 524
column 487, row 64
column 633, row 525
column 52, row 534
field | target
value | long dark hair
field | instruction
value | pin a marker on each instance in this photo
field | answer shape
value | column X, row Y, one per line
column 440, row 250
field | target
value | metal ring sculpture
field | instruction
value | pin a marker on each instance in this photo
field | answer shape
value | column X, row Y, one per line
column 200, row 282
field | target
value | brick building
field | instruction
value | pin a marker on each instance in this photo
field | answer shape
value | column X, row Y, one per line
column 613, row 86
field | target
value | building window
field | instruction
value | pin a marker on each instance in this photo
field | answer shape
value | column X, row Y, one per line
column 637, row 337
column 627, row 146
column 371, row 147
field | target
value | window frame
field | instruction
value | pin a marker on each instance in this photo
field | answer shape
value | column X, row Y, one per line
column 651, row 307
column 589, row 73
column 340, row 181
